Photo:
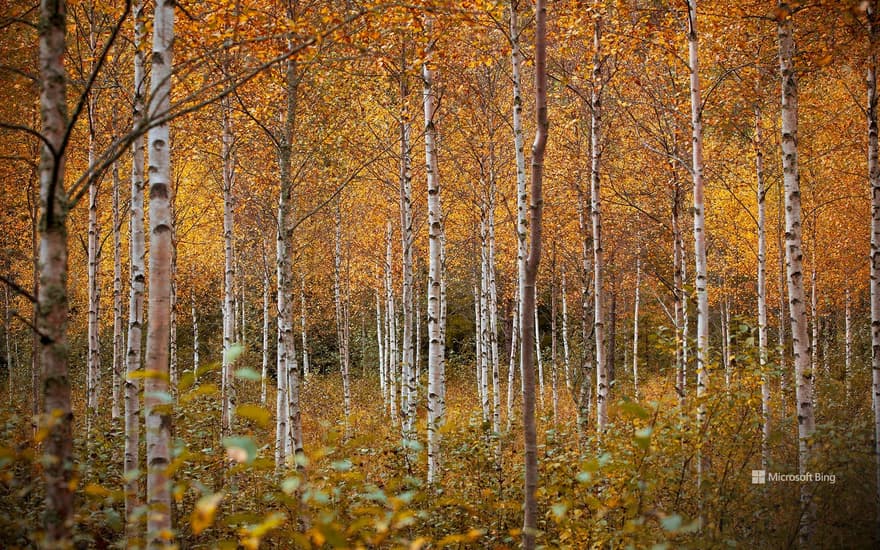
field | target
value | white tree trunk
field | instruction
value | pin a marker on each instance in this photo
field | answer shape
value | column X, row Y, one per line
column 264, row 373
column 635, row 345
column 195, row 330
column 117, row 296
column 341, row 319
column 288, row 438
column 304, row 328
column 137, row 275
column 156, row 390
column 383, row 379
column 874, row 180
column 794, row 265
column 407, row 366
column 699, row 212
column 493, row 304
column 539, row 358
column 596, row 215
column 814, row 323
column 847, row 345
column 172, row 337
column 93, row 358
column 436, row 343
column 762, row 291
column 566, row 353
column 391, row 331
column 52, row 299
column 228, row 386
column 511, row 367
column 484, row 358
column 522, row 196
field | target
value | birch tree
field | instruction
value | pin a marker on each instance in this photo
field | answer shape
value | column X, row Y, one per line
column 762, row 290
column 117, row 295
column 436, row 343
column 874, row 181
column 93, row 358
column 157, row 400
column 227, row 154
column 530, row 505
column 407, row 366
column 794, row 265
column 699, row 213
column 596, row 216
column 137, row 274
column 52, row 299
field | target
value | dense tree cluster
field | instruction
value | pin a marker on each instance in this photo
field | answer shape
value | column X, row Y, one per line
column 368, row 274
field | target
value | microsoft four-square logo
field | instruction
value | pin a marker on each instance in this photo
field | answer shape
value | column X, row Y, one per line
column 759, row 477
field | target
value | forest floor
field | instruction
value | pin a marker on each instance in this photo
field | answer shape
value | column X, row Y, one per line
column 634, row 487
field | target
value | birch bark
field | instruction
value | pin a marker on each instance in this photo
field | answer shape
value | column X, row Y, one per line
column 436, row 344
column 794, row 266
column 137, row 275
column 157, row 400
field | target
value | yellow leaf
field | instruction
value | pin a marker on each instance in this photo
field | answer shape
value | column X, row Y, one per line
column 203, row 514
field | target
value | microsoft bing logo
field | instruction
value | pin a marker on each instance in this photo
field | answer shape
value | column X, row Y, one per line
column 759, row 477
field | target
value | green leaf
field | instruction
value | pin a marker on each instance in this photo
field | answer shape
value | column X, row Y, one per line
column 247, row 373
column 290, row 484
column 234, row 351
column 240, row 449
column 671, row 523
column 643, row 437
column 559, row 509
column 342, row 465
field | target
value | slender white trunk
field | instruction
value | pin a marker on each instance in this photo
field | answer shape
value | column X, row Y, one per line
column 172, row 337
column 117, row 296
column 407, row 367
column 383, row 381
column 136, row 285
column 522, row 196
column 847, row 343
column 539, row 358
column 874, row 180
column 699, row 212
column 585, row 378
column 511, row 366
column 93, row 357
column 228, row 386
column 391, row 331
column 762, row 292
column 304, row 328
column 264, row 373
column 288, row 439
column 484, row 325
column 195, row 331
column 814, row 323
column 794, row 265
column 783, row 306
column 479, row 354
column 566, row 353
column 602, row 381
column 341, row 319
column 436, row 343
column 156, row 390
column 725, row 339
column 493, row 302
column 635, row 346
